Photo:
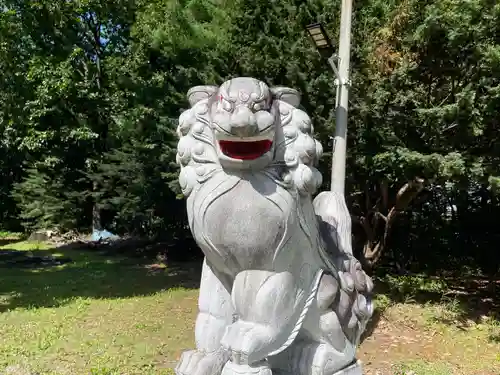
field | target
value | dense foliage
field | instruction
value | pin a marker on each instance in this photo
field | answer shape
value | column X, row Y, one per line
column 90, row 93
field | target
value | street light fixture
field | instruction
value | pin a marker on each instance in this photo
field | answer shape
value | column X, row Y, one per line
column 340, row 66
column 324, row 45
column 320, row 39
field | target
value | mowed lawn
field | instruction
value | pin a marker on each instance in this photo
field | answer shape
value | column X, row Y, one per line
column 102, row 314
column 95, row 315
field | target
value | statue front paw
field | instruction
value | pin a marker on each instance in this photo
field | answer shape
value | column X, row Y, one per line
column 247, row 341
column 195, row 362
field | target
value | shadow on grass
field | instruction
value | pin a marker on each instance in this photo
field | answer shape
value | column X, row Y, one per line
column 88, row 274
column 468, row 298
column 93, row 273
column 372, row 324
column 494, row 338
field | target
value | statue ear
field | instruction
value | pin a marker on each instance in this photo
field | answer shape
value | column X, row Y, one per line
column 198, row 93
column 287, row 95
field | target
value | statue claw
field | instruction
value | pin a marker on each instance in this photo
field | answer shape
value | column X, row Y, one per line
column 188, row 362
column 245, row 340
column 261, row 368
column 195, row 362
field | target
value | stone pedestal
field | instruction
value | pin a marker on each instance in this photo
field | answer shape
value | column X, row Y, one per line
column 354, row 369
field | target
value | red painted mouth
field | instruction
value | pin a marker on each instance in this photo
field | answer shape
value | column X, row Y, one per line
column 245, row 150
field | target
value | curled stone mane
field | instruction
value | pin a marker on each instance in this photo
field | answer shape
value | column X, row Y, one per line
column 196, row 153
column 297, row 149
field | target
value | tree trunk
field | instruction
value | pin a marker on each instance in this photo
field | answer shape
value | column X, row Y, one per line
column 94, row 37
column 377, row 226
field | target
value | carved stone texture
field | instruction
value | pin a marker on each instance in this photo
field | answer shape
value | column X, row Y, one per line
column 280, row 289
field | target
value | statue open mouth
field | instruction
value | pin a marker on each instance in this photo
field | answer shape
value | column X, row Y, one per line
column 248, row 150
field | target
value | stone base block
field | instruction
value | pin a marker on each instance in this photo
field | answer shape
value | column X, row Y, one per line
column 354, row 369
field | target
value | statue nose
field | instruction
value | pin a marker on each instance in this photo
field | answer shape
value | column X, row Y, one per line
column 243, row 123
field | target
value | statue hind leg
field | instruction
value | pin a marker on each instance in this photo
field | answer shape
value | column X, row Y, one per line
column 215, row 314
column 330, row 334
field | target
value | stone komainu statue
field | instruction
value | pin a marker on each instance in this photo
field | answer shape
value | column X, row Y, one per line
column 280, row 289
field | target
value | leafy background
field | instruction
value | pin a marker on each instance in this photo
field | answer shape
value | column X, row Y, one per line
column 90, row 93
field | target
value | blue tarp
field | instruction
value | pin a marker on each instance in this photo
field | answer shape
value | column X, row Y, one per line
column 99, row 235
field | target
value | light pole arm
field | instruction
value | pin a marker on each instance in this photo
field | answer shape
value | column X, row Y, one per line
column 333, row 61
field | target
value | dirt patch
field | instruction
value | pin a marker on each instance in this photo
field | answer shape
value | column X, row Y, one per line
column 394, row 343
column 407, row 333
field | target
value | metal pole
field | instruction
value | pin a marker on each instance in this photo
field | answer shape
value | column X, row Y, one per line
column 343, row 82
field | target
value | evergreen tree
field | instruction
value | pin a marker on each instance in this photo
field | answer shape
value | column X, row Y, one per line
column 90, row 94
column 48, row 199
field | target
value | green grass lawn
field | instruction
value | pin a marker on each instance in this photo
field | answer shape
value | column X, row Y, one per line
column 102, row 314
column 95, row 315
